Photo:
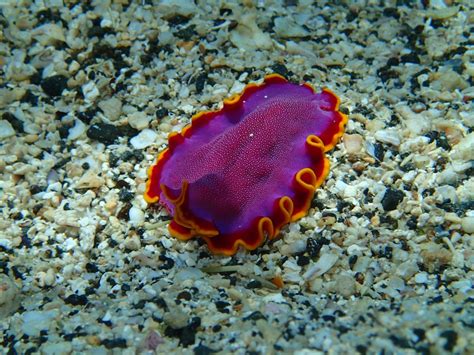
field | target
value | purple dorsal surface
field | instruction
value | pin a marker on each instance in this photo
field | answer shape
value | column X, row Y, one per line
column 232, row 175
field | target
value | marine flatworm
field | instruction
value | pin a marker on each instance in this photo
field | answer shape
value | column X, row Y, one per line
column 239, row 174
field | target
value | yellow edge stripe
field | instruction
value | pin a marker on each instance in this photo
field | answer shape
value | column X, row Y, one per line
column 261, row 232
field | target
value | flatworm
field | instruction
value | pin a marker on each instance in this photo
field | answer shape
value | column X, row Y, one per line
column 239, row 174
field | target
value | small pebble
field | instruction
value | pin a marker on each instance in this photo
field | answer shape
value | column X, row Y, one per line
column 76, row 300
column 345, row 285
column 57, row 348
column 353, row 143
column 391, row 199
column 77, row 130
column 15, row 122
column 136, row 215
column 6, row 129
column 138, row 120
column 467, row 224
column 176, row 319
column 323, row 265
column 90, row 91
column 54, row 85
column 112, row 108
column 248, row 35
column 421, row 278
column 132, row 242
column 104, row 133
column 144, row 139
column 36, row 321
column 287, row 28
column 9, row 296
column 389, row 136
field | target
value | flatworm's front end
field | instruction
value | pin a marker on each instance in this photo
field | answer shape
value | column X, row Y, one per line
column 237, row 175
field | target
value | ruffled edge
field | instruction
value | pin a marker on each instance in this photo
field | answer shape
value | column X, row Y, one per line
column 185, row 226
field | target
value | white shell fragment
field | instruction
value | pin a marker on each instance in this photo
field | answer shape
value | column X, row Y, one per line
column 144, row 139
column 389, row 136
column 323, row 265
column 6, row 129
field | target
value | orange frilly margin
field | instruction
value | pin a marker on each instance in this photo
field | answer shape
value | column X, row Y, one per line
column 185, row 226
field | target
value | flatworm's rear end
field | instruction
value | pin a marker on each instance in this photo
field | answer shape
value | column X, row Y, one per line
column 236, row 175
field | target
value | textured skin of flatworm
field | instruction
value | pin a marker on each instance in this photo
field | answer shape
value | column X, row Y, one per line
column 237, row 175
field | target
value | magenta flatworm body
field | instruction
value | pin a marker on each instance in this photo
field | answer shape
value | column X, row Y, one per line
column 237, row 175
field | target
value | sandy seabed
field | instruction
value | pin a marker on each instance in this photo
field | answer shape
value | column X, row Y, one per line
column 90, row 90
